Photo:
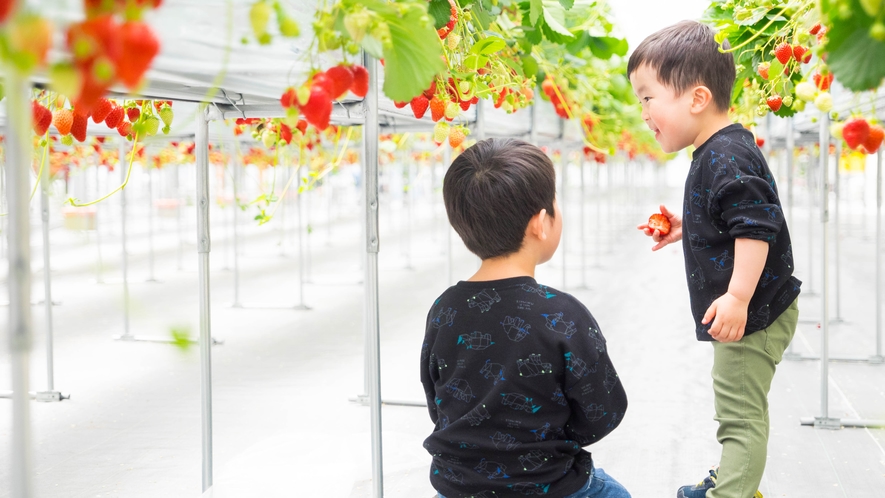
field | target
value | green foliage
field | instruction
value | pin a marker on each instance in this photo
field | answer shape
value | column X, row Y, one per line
column 856, row 59
column 439, row 10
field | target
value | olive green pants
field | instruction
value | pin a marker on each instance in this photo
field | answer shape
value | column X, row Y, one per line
column 742, row 374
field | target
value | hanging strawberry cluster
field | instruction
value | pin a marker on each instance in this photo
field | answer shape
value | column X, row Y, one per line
column 860, row 134
column 313, row 100
column 560, row 103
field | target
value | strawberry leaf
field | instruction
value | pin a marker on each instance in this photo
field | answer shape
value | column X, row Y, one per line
column 488, row 46
column 536, row 7
column 413, row 58
column 554, row 19
column 567, row 4
column 439, row 10
column 857, row 61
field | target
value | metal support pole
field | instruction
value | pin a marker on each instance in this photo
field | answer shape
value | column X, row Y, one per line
column 837, row 232
column 236, row 167
column 789, row 156
column 410, row 198
column 878, row 358
column 50, row 394
column 447, row 161
column 563, row 159
column 127, row 336
column 98, row 278
column 18, row 157
column 203, row 248
column 809, row 177
column 370, row 143
column 179, row 211
column 583, row 244
column 150, row 182
column 301, row 230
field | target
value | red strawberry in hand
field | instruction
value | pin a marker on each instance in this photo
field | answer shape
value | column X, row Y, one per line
column 360, row 86
column 874, row 139
column 138, row 47
column 855, row 132
column 660, row 223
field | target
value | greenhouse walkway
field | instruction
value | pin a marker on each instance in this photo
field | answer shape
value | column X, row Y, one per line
column 284, row 424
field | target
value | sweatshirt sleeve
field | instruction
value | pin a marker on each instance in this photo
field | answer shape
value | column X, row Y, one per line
column 749, row 209
column 592, row 387
column 429, row 370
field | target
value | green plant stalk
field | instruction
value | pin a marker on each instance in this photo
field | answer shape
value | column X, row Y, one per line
column 74, row 203
column 756, row 35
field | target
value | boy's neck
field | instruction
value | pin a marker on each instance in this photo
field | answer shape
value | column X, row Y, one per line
column 709, row 126
column 514, row 265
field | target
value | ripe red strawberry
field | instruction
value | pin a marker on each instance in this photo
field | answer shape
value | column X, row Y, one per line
column 114, row 117
column 318, row 108
column 799, row 52
column 63, row 119
column 138, row 47
column 814, row 29
column 323, row 81
column 134, row 113
column 453, row 18
column 456, row 136
column 301, row 126
column 437, row 108
column 400, row 105
column 124, row 128
column 285, row 133
column 874, row 139
column 360, row 86
column 5, row 9
column 342, row 79
column 431, row 91
column 807, row 58
column 660, row 223
column 419, row 106
column 774, row 102
column 78, row 127
column 465, row 105
column 289, row 98
column 783, row 52
column 822, row 82
column 101, row 110
column 760, row 142
column 42, row 118
column 855, row 132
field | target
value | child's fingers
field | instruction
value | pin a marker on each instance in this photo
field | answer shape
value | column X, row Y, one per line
column 711, row 312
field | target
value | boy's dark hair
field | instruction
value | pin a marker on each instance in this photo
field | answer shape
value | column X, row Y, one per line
column 493, row 189
column 687, row 54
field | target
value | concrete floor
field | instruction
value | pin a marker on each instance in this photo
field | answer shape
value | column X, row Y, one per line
column 283, row 422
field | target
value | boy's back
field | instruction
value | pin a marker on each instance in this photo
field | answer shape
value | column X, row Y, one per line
column 517, row 379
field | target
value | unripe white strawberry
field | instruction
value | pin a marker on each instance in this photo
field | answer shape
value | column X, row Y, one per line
column 824, row 102
column 806, row 91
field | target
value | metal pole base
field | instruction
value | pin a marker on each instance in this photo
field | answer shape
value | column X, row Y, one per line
column 835, row 423
column 876, row 360
column 42, row 396
column 162, row 340
column 259, row 306
column 873, row 360
column 363, row 400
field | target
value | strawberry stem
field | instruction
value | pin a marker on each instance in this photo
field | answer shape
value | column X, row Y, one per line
column 73, row 201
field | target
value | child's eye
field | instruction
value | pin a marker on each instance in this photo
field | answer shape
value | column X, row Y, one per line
column 646, row 99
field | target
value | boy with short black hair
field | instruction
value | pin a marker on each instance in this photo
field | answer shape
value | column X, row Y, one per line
column 738, row 255
column 516, row 374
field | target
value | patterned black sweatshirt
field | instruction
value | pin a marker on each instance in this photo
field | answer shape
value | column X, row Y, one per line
column 518, row 379
column 730, row 194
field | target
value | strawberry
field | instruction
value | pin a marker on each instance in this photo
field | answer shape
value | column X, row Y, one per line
column 599, row 157
column 774, row 102
column 30, row 38
column 452, row 111
column 342, row 79
column 419, row 106
column 548, row 87
column 360, row 86
column 5, row 9
column 456, row 136
column 855, row 132
column 814, row 29
column 465, row 105
column 660, row 223
column 134, row 113
column 323, row 81
column 440, row 132
column 783, row 52
column 823, row 81
column 289, row 98
column 259, row 15
column 285, row 133
column 63, row 119
column 301, row 126
column 166, row 114
column 101, row 110
column 138, row 47
column 453, row 18
column 78, row 127
column 763, row 70
column 799, row 52
column 431, row 91
column 874, row 139
column 114, row 117
column 151, row 125
column 318, row 108
column 400, row 105
column 124, row 128
column 42, row 118
column 437, row 108
column 760, row 142
column 807, row 58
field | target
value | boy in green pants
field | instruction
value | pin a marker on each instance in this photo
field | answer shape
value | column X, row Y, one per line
column 738, row 255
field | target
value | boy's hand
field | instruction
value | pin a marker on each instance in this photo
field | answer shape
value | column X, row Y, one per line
column 730, row 319
column 675, row 234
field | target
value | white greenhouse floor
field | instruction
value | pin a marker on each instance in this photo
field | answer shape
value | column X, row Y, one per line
column 282, row 380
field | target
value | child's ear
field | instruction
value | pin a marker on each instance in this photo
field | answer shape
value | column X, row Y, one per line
column 701, row 97
column 537, row 226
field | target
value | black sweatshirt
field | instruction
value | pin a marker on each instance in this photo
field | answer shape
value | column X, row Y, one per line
column 517, row 379
column 730, row 194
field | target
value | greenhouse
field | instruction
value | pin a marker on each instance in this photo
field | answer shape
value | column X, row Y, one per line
column 231, row 237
